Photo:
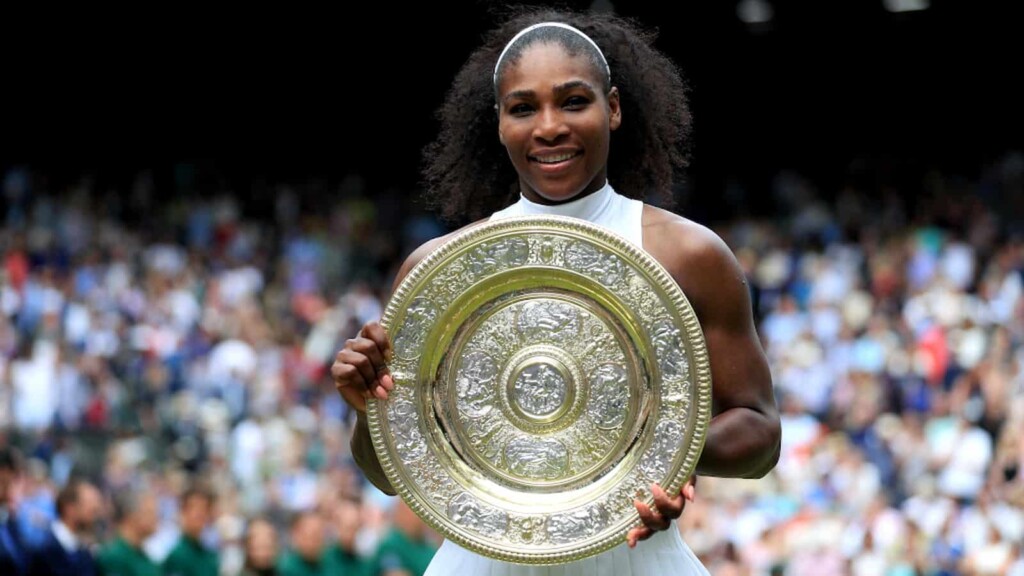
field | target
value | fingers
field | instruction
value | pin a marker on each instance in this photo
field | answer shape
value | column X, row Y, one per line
column 365, row 374
column 350, row 383
column 375, row 345
column 360, row 369
column 375, row 332
column 689, row 490
column 669, row 507
column 651, row 517
column 659, row 517
column 637, row 534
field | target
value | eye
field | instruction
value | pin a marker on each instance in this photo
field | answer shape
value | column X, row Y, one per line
column 520, row 109
column 576, row 102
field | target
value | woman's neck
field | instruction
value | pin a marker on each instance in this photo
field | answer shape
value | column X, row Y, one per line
column 584, row 206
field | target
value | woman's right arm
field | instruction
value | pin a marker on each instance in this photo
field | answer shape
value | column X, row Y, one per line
column 360, row 373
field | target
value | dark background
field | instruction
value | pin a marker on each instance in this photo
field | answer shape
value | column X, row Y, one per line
column 289, row 93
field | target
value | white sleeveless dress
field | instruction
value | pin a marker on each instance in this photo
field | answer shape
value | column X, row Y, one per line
column 664, row 553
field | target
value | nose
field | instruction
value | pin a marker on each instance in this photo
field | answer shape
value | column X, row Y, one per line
column 550, row 124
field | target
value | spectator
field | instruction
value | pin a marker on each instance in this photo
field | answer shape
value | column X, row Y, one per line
column 342, row 557
column 190, row 557
column 13, row 556
column 66, row 549
column 897, row 341
column 406, row 549
column 306, row 556
column 260, row 549
column 135, row 513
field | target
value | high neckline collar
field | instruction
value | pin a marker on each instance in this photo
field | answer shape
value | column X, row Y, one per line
column 585, row 208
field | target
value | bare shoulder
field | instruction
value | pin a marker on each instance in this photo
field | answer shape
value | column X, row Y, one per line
column 700, row 262
column 680, row 244
column 423, row 250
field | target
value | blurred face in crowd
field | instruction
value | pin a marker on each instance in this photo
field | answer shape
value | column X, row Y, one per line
column 308, row 537
column 85, row 513
column 261, row 545
column 348, row 516
column 408, row 522
column 8, row 478
column 196, row 512
column 147, row 518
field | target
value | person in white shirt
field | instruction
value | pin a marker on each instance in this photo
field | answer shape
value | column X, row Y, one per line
column 551, row 110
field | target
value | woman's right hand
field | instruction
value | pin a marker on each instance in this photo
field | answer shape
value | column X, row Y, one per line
column 360, row 370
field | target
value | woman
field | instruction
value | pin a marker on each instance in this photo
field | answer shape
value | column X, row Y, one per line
column 558, row 106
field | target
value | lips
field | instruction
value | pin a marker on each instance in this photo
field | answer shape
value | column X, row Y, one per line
column 555, row 157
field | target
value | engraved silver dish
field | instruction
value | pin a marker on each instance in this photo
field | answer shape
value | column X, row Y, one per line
column 546, row 372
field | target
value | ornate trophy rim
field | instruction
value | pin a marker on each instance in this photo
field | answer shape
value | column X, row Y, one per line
column 699, row 370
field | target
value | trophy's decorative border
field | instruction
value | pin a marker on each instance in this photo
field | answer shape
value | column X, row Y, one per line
column 701, row 371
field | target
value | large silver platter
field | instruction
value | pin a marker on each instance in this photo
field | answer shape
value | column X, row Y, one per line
column 546, row 372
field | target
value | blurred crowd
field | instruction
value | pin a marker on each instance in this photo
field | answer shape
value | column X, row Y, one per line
column 153, row 342
column 165, row 395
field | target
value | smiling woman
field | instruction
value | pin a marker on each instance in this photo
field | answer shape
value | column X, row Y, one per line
column 543, row 118
column 556, row 135
column 465, row 171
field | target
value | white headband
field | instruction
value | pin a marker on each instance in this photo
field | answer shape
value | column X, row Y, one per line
column 556, row 25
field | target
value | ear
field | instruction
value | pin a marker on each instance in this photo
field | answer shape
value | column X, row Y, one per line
column 501, row 135
column 614, row 109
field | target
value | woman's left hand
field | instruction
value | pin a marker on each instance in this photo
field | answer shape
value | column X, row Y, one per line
column 666, row 509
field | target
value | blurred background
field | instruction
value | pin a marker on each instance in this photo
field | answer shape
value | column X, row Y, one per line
column 199, row 207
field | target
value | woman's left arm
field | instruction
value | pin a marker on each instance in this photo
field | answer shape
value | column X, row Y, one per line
column 743, row 440
column 744, row 437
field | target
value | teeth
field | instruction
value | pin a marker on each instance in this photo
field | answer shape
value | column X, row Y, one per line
column 555, row 159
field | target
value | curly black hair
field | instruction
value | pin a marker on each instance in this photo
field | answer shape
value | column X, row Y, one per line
column 466, row 173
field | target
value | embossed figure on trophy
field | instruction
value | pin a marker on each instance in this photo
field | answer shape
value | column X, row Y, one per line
column 548, row 321
column 609, row 396
column 488, row 435
column 473, row 384
column 668, row 345
column 419, row 317
column 606, row 268
column 493, row 257
column 409, row 442
column 467, row 511
column 576, row 524
column 537, row 458
column 539, row 390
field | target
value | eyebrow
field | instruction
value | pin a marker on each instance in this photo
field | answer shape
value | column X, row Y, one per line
column 557, row 89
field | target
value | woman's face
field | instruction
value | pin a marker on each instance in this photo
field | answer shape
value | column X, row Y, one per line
column 555, row 121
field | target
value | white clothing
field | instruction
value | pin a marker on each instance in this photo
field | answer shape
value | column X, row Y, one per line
column 606, row 208
column 65, row 536
column 664, row 553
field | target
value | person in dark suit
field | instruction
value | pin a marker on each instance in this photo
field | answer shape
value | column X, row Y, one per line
column 65, row 550
column 13, row 559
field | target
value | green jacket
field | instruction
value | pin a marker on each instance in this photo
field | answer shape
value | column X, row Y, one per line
column 291, row 564
column 190, row 558
column 398, row 552
column 119, row 558
column 338, row 562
